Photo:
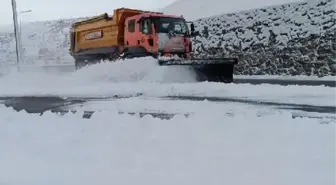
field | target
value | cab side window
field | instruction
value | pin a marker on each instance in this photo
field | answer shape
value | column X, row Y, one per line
column 146, row 26
column 131, row 26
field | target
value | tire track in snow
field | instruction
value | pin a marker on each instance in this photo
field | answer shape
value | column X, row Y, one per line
column 290, row 106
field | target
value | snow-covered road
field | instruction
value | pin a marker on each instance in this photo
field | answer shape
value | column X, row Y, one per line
column 205, row 148
column 216, row 133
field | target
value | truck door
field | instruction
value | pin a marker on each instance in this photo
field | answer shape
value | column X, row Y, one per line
column 130, row 33
column 147, row 39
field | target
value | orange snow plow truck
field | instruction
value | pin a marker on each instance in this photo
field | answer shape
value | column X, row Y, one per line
column 134, row 33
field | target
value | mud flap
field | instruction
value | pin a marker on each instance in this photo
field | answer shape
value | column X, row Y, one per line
column 209, row 69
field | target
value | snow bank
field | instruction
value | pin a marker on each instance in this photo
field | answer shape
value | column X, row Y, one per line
column 202, row 149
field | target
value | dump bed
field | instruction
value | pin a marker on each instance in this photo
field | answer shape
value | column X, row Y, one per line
column 100, row 32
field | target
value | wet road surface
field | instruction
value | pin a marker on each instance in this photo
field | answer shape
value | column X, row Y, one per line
column 301, row 107
column 327, row 83
column 39, row 105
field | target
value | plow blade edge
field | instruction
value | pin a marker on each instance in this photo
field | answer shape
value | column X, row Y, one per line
column 207, row 69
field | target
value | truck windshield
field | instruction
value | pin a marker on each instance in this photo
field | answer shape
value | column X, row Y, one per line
column 170, row 25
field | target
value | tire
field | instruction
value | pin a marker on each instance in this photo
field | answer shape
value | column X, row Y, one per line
column 79, row 64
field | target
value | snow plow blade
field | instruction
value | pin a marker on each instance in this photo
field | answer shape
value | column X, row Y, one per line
column 206, row 69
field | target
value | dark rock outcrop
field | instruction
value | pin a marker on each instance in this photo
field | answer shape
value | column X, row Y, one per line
column 292, row 39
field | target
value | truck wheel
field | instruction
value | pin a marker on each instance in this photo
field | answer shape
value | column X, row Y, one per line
column 79, row 64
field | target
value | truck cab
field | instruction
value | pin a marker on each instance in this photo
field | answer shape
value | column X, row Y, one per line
column 153, row 34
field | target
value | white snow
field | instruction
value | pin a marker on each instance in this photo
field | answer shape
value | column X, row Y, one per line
column 197, row 9
column 132, row 77
column 129, row 70
column 43, row 43
column 202, row 149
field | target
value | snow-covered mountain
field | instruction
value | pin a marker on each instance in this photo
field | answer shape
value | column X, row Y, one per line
column 197, row 9
column 292, row 39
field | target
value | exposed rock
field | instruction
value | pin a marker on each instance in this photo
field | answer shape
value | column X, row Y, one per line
column 291, row 39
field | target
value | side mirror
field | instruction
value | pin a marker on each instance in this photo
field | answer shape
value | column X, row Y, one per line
column 192, row 27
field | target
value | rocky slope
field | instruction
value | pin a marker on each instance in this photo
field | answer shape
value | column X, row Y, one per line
column 290, row 39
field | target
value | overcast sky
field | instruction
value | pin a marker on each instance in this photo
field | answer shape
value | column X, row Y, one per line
column 55, row 9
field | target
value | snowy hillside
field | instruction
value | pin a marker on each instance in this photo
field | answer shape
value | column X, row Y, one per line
column 43, row 42
column 292, row 39
column 201, row 9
